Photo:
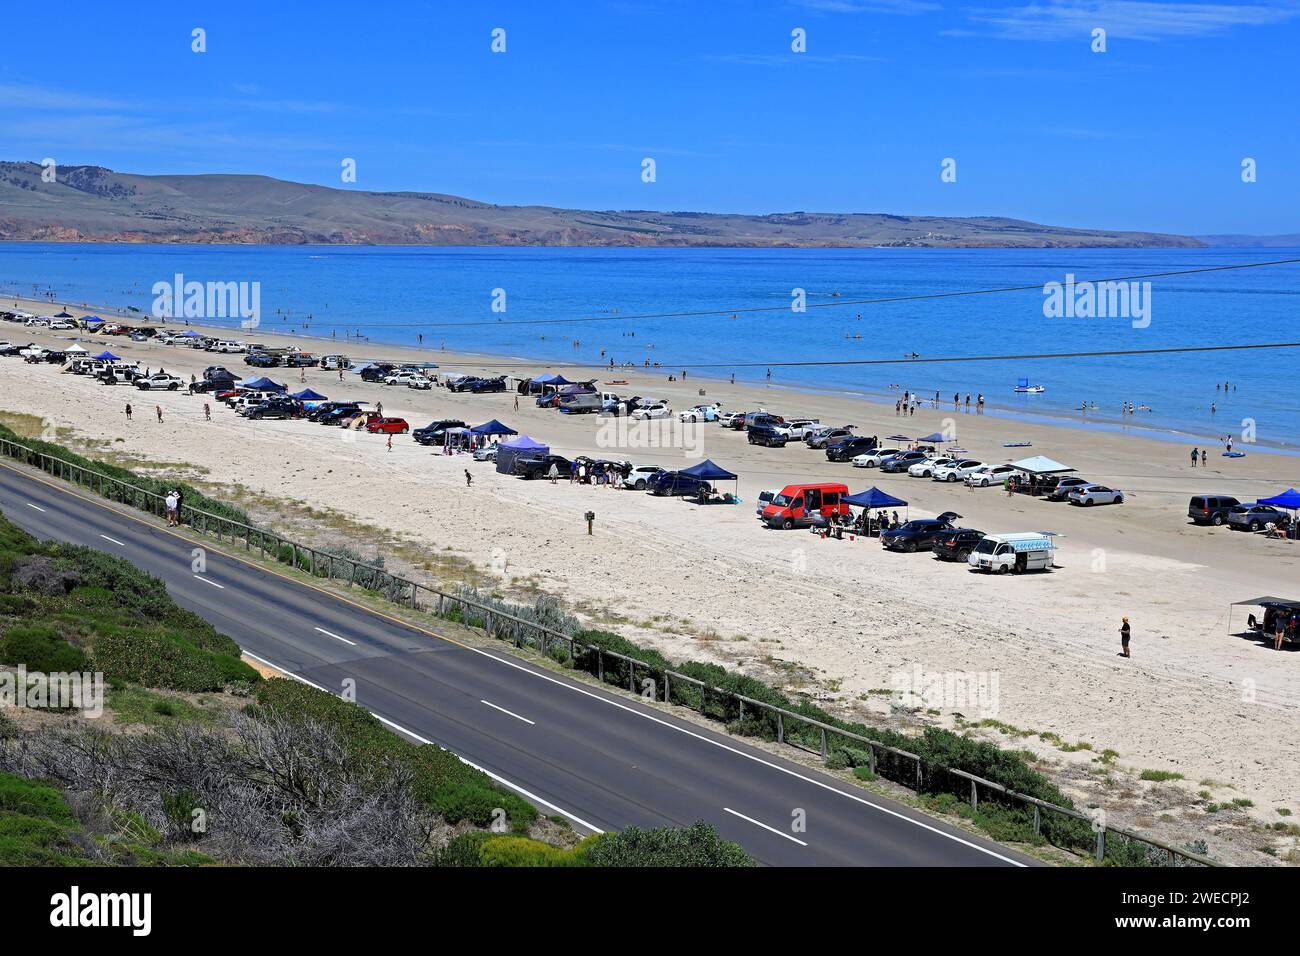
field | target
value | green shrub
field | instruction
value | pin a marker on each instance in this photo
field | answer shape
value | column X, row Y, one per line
column 463, row 850
column 521, row 851
column 40, row 647
column 696, row 845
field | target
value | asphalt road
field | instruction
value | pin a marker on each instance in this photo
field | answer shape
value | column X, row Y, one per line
column 603, row 761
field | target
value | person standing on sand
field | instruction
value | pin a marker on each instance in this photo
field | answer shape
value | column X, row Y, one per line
column 390, row 441
column 158, row 409
column 1195, row 452
column 1124, row 634
column 1203, row 457
column 340, row 375
column 469, row 479
column 128, row 411
column 516, row 401
column 1279, row 634
column 207, row 412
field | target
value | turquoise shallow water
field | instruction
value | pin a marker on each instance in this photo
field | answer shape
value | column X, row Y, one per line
column 394, row 295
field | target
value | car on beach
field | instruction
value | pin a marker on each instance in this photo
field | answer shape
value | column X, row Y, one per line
column 321, row 409
column 387, row 426
column 766, row 435
column 339, row 415
column 1253, row 517
column 729, row 419
column 874, row 456
column 1088, row 495
column 409, row 379
column 377, row 373
column 799, row 428
column 655, row 410
column 957, row 471
column 541, row 466
column 229, row 347
column 765, row 498
column 676, row 484
column 902, row 461
column 919, row 534
column 640, row 476
column 485, row 453
column 925, row 469
column 956, row 544
column 989, row 475
column 62, row 325
column 1211, row 509
column 485, row 385
column 1059, row 489
column 701, row 413
column 434, row 432
column 275, row 408
column 849, row 448
column 157, row 381
column 118, row 375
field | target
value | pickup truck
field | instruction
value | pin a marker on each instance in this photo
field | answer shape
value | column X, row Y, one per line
column 158, row 381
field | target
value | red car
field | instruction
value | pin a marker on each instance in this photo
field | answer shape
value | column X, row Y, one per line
column 387, row 426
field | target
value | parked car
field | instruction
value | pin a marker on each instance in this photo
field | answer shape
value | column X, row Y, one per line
column 1211, row 509
column 766, row 435
column 701, row 413
column 1060, row 491
column 872, row 457
column 275, row 408
column 1022, row 551
column 957, row 471
column 229, row 346
column 828, row 435
column 849, row 448
column 378, row 372
column 798, row 506
column 119, row 375
column 640, row 476
column 799, row 428
column 387, row 426
column 902, row 461
column 956, row 544
column 322, row 409
column 158, row 381
column 1253, row 517
column 339, row 415
column 485, row 453
column 925, row 469
column 409, row 379
column 434, row 432
column 729, row 419
column 676, row 483
column 656, row 410
column 764, row 499
column 488, row 385
column 919, row 534
column 989, row 475
column 1096, row 495
column 541, row 466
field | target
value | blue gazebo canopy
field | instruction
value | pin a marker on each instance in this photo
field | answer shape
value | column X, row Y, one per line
column 264, row 384
column 307, row 395
column 493, row 427
column 873, row 498
column 91, row 318
column 109, row 357
column 1289, row 499
column 708, row 471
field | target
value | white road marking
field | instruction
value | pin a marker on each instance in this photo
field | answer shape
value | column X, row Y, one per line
column 213, row 583
column 764, row 826
column 504, row 711
column 748, row 756
column 114, row 540
column 336, row 637
column 37, row 507
column 423, row 740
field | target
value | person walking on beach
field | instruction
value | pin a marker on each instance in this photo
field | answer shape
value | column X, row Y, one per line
column 158, row 409
column 769, row 375
column 128, row 411
column 1203, row 457
column 1195, row 452
column 340, row 375
column 1124, row 634
column 469, row 479
column 390, row 442
column 1279, row 634
column 207, row 412
column 516, row 401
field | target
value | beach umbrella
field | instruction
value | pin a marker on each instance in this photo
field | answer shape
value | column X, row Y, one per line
column 899, row 438
column 74, row 348
column 307, row 395
column 936, row 437
column 108, row 357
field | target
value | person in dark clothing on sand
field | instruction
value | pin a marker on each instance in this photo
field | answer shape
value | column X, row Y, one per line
column 469, row 479
column 1124, row 634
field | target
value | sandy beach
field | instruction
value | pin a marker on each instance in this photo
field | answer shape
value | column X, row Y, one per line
column 837, row 617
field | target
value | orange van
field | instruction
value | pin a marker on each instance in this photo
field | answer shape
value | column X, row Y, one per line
column 797, row 505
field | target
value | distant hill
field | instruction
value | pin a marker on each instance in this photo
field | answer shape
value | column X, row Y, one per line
column 94, row 204
column 1237, row 240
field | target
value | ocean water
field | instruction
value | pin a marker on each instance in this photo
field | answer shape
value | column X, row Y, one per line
column 391, row 295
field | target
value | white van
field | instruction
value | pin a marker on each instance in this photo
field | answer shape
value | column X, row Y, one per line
column 1022, row 551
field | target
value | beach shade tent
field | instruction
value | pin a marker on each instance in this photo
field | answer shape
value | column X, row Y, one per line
column 91, row 320
column 77, row 349
column 708, row 471
column 1287, row 603
column 547, row 383
column 493, row 427
column 1289, row 499
column 108, row 357
column 508, row 451
column 872, row 499
column 63, row 314
column 264, row 385
column 934, row 439
column 307, row 395
column 1040, row 465
column 190, row 335
column 899, row 438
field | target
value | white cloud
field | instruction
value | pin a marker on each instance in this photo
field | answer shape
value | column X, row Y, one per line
column 1126, row 19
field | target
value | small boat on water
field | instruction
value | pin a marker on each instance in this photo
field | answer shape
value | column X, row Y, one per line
column 1024, row 388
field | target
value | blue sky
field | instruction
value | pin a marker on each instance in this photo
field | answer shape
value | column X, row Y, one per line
column 1147, row 135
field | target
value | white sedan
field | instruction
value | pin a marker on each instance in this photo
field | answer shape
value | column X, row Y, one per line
column 409, row 379
column 701, row 413
column 657, row 410
column 925, row 469
column 957, row 471
column 873, row 458
column 1096, row 495
column 989, row 475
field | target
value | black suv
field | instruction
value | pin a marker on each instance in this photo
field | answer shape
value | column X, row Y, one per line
column 1211, row 509
column 377, row 373
column 1060, row 491
column 919, row 534
column 849, row 448
column 276, row 408
column 487, row 385
column 432, row 433
column 541, row 466
column 319, row 412
column 956, row 544
column 766, row 435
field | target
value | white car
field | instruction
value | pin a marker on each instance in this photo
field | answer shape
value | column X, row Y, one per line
column 797, row 429
column 639, row 476
column 1087, row 495
column 925, row 469
column 230, row 347
column 727, row 419
column 657, row 410
column 989, row 475
column 873, row 458
column 62, row 324
column 409, row 379
column 957, row 471
column 158, row 381
column 701, row 413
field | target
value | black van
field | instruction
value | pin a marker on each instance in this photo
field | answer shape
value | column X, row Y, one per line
column 1211, row 509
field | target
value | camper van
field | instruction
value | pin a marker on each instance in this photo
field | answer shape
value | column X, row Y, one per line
column 798, row 506
column 1022, row 551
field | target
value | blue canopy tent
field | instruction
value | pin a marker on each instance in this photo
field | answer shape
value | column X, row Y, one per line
column 1289, row 499
column 265, row 385
column 870, row 500
column 708, row 471
column 493, row 427
column 108, row 357
column 547, row 382
column 91, row 319
column 508, row 451
column 307, row 395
